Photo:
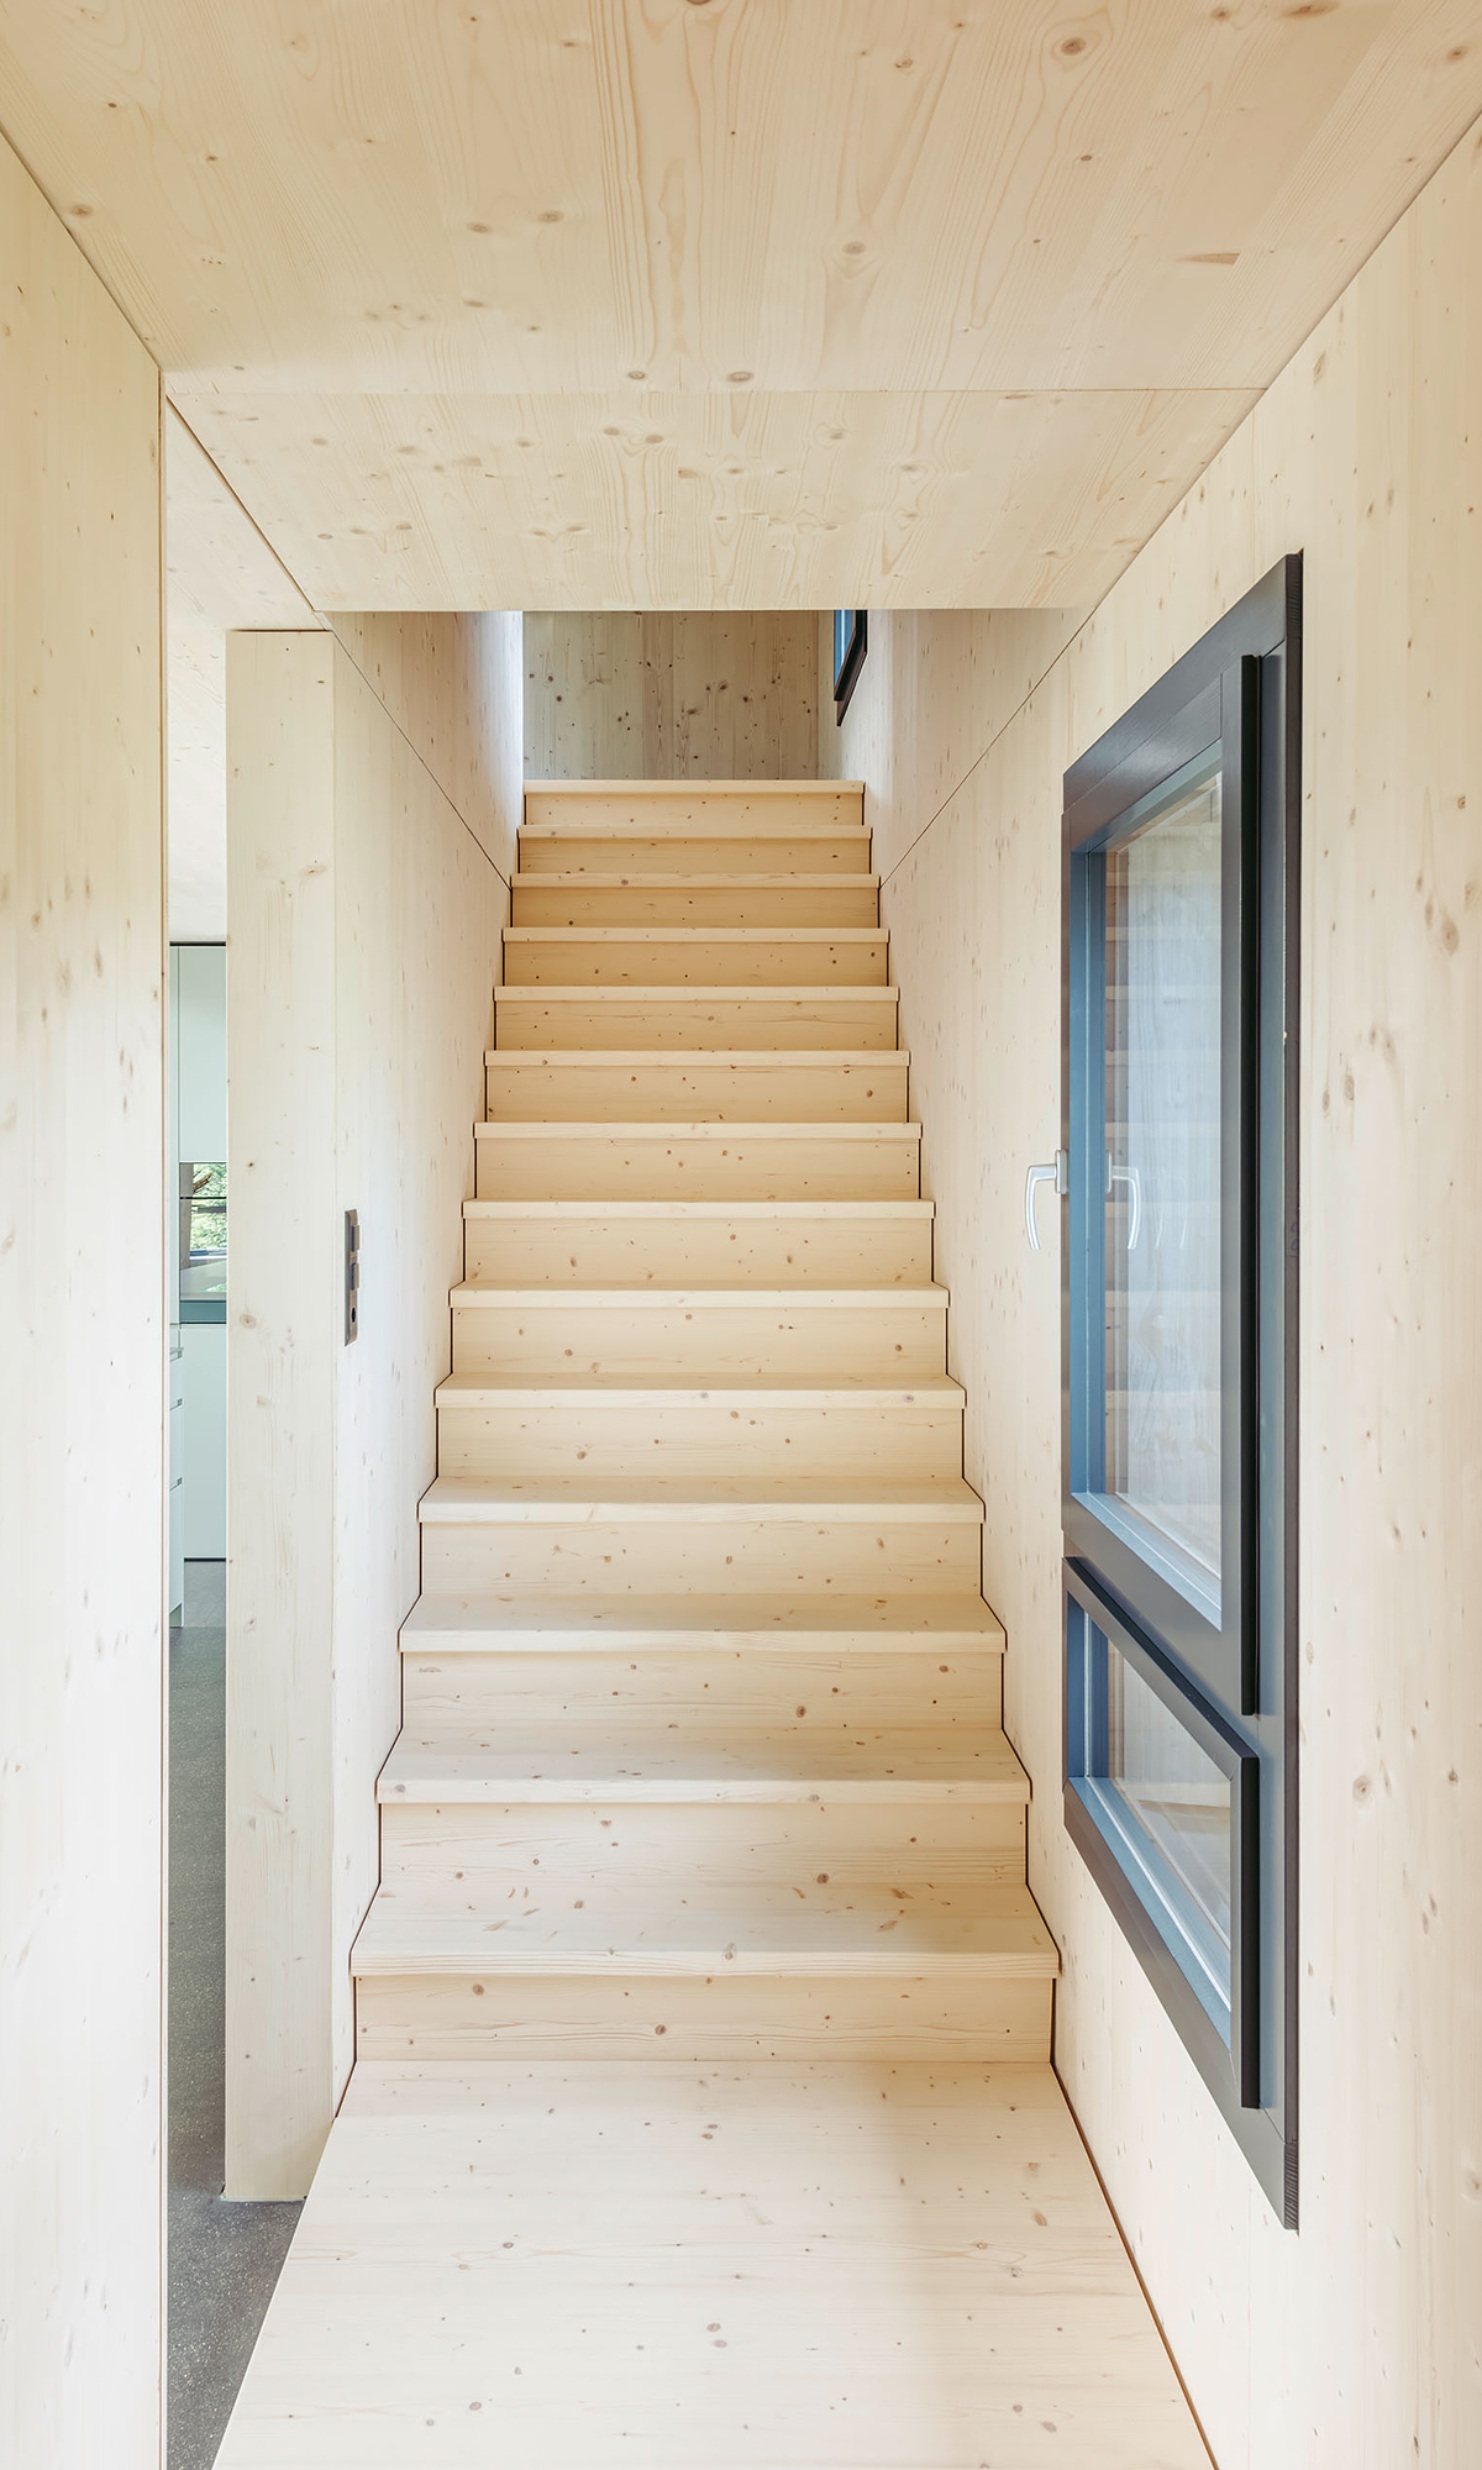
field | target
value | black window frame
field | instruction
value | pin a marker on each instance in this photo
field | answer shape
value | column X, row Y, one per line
column 851, row 642
column 1232, row 1668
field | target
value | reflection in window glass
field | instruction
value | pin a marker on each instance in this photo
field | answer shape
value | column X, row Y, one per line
column 1177, row 1803
column 1163, row 962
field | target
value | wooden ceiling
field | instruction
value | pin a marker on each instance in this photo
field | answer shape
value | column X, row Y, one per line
column 603, row 303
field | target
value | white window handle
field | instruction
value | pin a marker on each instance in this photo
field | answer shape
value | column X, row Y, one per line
column 1059, row 1176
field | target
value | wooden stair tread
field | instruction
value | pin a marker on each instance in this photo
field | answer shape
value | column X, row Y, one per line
column 534, row 880
column 839, row 1933
column 695, row 1058
column 834, row 1212
column 477, row 1292
column 793, row 994
column 702, row 1128
column 453, row 1500
column 743, row 935
column 518, row 1624
column 468, row 1389
column 605, row 1762
column 686, row 787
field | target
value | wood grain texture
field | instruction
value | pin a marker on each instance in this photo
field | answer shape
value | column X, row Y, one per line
column 220, row 574
column 417, row 197
column 714, row 501
column 282, row 1332
column 1355, row 2341
column 654, row 693
column 365, row 922
column 82, row 1399
column 773, row 2265
column 452, row 684
column 670, row 307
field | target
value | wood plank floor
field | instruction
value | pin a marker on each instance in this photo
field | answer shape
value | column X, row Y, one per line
column 836, row 2267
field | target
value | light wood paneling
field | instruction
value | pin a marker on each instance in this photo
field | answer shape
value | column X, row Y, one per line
column 723, row 198
column 651, row 694
column 282, row 1331
column 82, row 1399
column 861, row 2230
column 452, row 684
column 713, row 500
column 365, row 921
column 220, row 574
column 727, row 307
column 1354, row 2342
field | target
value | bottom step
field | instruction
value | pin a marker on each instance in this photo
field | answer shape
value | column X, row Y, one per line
column 867, row 1972
column 443, row 2017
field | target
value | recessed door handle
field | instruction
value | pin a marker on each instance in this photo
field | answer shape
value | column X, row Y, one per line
column 1059, row 1177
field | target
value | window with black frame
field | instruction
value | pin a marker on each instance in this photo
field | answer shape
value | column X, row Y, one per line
column 1179, row 1329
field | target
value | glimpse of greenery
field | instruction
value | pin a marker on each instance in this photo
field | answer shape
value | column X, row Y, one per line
column 208, row 1209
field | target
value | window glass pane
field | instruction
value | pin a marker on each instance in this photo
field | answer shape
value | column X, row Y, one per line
column 1176, row 1803
column 203, row 1245
column 1163, row 968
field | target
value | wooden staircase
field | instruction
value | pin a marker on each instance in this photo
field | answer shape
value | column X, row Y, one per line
column 702, row 1752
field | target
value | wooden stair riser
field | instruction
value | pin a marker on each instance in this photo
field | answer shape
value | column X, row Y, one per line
column 751, row 1020
column 430, row 2017
column 559, row 1087
column 620, row 1856
column 767, row 1246
column 574, row 1436
column 453, row 1698
column 602, row 1558
column 710, row 809
column 767, row 1162
column 844, row 850
column 894, row 1340
column 798, row 900
column 664, row 956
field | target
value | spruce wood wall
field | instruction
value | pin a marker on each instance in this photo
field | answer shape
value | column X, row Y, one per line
column 671, row 694
column 1355, row 2341
column 371, row 812
column 82, row 1359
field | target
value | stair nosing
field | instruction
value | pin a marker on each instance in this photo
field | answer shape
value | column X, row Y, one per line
column 586, row 1625
column 682, row 1210
column 730, row 1128
column 686, row 1058
column 459, row 1501
column 936, row 1390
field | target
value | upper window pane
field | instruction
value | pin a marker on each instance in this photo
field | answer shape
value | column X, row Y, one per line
column 1163, row 1201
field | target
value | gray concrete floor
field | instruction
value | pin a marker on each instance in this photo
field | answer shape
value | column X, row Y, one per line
column 224, row 2258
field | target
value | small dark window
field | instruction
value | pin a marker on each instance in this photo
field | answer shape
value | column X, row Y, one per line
column 851, row 641
column 1180, row 1325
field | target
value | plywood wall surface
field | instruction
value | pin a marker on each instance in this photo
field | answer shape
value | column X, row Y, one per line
column 82, row 1348
column 664, row 695
column 365, row 910
column 1355, row 2341
column 285, row 1271
column 453, row 685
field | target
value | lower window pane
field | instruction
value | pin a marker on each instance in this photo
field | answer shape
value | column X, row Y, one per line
column 1165, row 1808
column 1174, row 1796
